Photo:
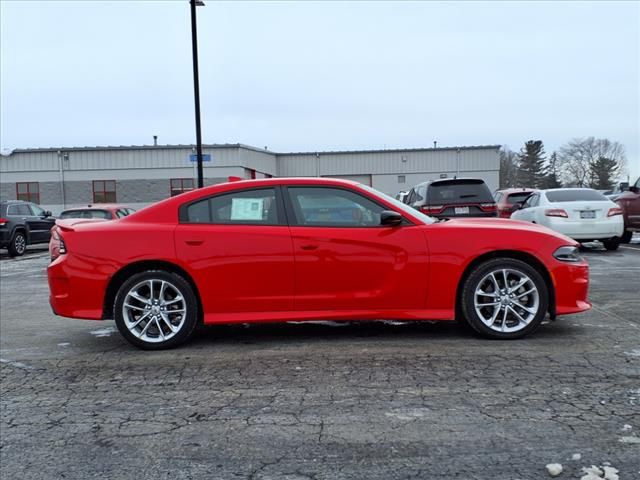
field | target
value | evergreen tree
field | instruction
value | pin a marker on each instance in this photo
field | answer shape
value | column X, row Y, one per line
column 551, row 177
column 602, row 172
column 531, row 164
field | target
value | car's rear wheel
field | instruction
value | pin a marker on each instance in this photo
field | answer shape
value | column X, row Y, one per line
column 156, row 309
column 611, row 243
column 504, row 298
column 18, row 244
column 626, row 236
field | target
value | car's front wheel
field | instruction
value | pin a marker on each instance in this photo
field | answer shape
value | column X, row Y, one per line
column 504, row 298
column 18, row 244
column 156, row 309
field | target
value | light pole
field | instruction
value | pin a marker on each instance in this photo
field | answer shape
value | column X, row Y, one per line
column 196, row 87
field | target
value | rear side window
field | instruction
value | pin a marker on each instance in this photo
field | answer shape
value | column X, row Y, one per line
column 459, row 191
column 21, row 209
column 246, row 207
column 574, row 195
column 517, row 197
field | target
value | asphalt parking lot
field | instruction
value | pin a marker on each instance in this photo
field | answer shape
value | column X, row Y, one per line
column 383, row 400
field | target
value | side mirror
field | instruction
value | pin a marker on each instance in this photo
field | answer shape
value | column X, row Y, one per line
column 516, row 206
column 390, row 218
column 634, row 189
column 47, row 213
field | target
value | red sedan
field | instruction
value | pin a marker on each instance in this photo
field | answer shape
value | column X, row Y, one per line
column 307, row 249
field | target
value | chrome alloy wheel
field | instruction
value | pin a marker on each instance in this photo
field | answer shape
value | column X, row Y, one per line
column 154, row 310
column 20, row 244
column 506, row 300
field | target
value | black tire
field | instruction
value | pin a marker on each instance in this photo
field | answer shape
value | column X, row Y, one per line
column 626, row 236
column 611, row 243
column 187, row 322
column 18, row 244
column 514, row 268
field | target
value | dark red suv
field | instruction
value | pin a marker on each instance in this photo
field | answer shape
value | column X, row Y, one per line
column 629, row 201
column 508, row 198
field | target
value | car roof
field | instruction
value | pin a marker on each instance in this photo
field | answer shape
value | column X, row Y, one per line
column 451, row 180
column 14, row 201
column 517, row 190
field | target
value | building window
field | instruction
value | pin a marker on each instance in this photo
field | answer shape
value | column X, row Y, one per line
column 181, row 185
column 28, row 191
column 249, row 173
column 402, row 179
column 104, row 191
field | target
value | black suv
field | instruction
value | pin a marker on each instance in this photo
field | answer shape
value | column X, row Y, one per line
column 22, row 224
column 453, row 197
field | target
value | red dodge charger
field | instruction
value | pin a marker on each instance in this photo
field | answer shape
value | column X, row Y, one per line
column 306, row 249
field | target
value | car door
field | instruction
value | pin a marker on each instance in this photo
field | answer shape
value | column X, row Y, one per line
column 526, row 213
column 238, row 248
column 344, row 258
column 39, row 224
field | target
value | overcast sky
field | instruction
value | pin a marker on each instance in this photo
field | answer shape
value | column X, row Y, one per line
column 306, row 76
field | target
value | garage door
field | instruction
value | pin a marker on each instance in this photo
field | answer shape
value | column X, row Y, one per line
column 364, row 179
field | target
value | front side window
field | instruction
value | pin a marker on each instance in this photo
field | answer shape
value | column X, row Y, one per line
column 104, row 191
column 333, row 207
column 28, row 191
column 245, row 207
column 181, row 185
column 37, row 211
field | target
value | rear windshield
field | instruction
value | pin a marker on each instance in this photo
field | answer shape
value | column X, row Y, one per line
column 574, row 195
column 517, row 197
column 86, row 214
column 459, row 191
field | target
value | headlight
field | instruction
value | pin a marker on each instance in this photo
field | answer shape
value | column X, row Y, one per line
column 567, row 254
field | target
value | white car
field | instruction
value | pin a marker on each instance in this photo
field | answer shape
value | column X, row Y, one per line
column 580, row 213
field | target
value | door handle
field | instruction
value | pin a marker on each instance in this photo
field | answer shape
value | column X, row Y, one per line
column 194, row 242
column 309, row 247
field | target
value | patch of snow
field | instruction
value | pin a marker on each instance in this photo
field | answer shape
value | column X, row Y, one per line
column 633, row 353
column 408, row 414
column 15, row 364
column 554, row 469
column 103, row 332
column 626, row 427
column 64, row 344
column 630, row 439
column 576, row 456
column 605, row 472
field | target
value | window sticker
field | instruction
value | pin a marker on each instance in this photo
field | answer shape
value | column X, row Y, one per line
column 247, row 208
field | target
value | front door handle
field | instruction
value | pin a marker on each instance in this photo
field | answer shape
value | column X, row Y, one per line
column 194, row 242
column 309, row 247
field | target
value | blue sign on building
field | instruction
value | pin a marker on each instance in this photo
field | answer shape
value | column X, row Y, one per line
column 205, row 157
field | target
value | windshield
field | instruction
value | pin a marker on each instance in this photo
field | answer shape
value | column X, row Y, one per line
column 399, row 205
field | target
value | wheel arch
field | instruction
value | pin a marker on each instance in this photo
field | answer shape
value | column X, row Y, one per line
column 137, row 267
column 509, row 254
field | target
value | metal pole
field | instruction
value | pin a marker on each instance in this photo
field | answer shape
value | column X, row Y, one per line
column 196, row 91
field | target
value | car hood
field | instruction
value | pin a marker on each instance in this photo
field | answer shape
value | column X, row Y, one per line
column 503, row 224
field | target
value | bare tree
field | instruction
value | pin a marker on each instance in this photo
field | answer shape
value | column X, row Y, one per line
column 578, row 157
column 508, row 168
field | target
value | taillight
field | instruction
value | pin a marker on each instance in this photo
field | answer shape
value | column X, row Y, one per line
column 614, row 211
column 62, row 248
column 556, row 212
column 488, row 207
column 432, row 209
column 3, row 222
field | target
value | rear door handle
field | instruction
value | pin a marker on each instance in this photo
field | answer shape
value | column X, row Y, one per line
column 309, row 247
column 194, row 242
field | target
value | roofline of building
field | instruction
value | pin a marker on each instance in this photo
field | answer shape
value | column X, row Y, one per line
column 246, row 147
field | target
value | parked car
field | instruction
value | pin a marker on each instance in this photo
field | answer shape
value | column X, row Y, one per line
column 580, row 213
column 509, row 199
column 629, row 202
column 22, row 224
column 258, row 251
column 97, row 212
column 453, row 197
column 100, row 210
column 402, row 196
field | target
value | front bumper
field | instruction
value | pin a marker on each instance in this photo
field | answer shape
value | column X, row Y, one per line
column 571, row 285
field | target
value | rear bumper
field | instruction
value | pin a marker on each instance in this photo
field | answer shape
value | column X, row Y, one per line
column 589, row 230
column 76, row 288
column 571, row 284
